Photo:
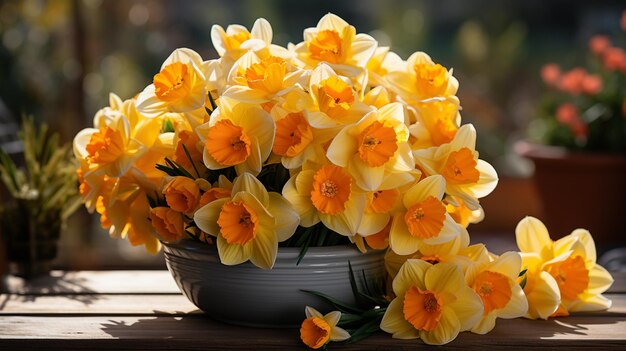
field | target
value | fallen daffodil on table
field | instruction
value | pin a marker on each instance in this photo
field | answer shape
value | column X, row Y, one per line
column 561, row 276
column 331, row 141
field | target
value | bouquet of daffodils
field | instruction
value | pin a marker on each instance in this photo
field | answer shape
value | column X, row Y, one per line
column 331, row 140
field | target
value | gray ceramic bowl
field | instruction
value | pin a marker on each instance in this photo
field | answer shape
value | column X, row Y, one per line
column 247, row 295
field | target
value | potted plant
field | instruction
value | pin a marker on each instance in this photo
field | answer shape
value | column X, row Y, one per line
column 580, row 165
column 40, row 198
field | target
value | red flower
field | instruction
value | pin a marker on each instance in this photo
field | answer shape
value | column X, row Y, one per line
column 598, row 44
column 550, row 74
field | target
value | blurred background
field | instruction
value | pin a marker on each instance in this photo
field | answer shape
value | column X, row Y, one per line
column 60, row 59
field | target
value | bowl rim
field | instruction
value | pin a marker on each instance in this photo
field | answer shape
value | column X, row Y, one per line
column 318, row 252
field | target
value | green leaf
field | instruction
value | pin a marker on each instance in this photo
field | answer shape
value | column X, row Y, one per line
column 523, row 282
column 168, row 126
column 213, row 104
column 190, row 159
column 341, row 306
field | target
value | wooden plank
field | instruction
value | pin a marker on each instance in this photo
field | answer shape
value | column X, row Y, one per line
column 95, row 304
column 198, row 332
column 102, row 304
column 95, row 282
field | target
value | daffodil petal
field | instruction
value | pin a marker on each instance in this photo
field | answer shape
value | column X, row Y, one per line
column 332, row 318
column 249, row 183
column 447, row 329
column 393, row 322
column 595, row 303
column 339, row 334
column 264, row 248
column 468, row 308
column 517, row 305
column 444, row 277
column 532, row 236
column 544, row 298
column 600, row 280
column 400, row 239
column 485, row 325
column 366, row 177
column 312, row 312
column 342, row 148
column 232, row 254
column 410, row 274
column 206, row 217
column 430, row 186
column 372, row 223
column 509, row 264
column 287, row 219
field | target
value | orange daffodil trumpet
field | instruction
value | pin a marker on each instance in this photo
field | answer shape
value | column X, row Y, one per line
column 562, row 276
column 331, row 140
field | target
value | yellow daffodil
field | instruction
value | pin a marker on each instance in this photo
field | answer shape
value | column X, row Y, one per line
column 108, row 148
column 425, row 220
column 335, row 98
column 328, row 194
column 168, row 223
column 237, row 135
column 432, row 303
column 258, row 81
column 335, row 42
column 496, row 284
column 378, row 211
column 182, row 194
column 236, row 40
column 437, row 123
column 455, row 251
column 125, row 211
column 375, row 149
column 380, row 64
column 180, row 86
column 317, row 330
column 296, row 141
column 467, row 177
column 377, row 97
column 461, row 213
column 420, row 79
column 562, row 276
column 249, row 224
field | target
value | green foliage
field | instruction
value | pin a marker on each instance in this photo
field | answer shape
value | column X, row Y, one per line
column 44, row 193
column 363, row 318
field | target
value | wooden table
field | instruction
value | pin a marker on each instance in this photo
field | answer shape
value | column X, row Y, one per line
column 145, row 310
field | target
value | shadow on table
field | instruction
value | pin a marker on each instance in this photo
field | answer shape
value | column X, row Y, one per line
column 199, row 329
column 58, row 283
column 580, row 328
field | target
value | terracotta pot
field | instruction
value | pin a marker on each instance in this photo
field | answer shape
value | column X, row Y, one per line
column 247, row 295
column 580, row 190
